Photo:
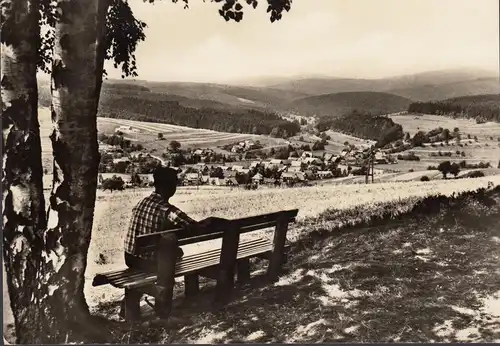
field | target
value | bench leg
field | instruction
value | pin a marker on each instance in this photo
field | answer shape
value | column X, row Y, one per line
column 191, row 284
column 243, row 269
column 227, row 266
column 131, row 305
column 277, row 257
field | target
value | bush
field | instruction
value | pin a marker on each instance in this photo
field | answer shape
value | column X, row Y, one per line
column 475, row 174
column 113, row 183
column 408, row 157
column 424, row 178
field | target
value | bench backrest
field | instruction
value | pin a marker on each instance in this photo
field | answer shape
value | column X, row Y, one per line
column 195, row 235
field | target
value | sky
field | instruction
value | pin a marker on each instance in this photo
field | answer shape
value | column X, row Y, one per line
column 341, row 38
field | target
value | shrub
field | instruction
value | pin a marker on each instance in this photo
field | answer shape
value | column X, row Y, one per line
column 113, row 183
column 424, row 178
column 475, row 174
column 445, row 168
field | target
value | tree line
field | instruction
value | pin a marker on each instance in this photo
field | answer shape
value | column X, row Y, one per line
column 364, row 125
column 172, row 112
column 481, row 108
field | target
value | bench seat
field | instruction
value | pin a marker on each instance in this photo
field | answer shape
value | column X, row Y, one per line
column 132, row 278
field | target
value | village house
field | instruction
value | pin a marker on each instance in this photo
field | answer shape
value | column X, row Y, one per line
column 313, row 161
column 192, row 178
column 121, row 159
column 231, row 182
column 295, row 163
column 205, row 179
column 255, row 164
column 327, row 157
column 229, row 174
column 258, row 178
column 381, row 158
column 127, row 129
column 288, row 177
column 306, row 154
column 214, row 181
column 324, row 174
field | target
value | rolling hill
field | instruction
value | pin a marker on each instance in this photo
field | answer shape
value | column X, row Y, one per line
column 192, row 95
column 345, row 102
column 419, row 87
column 451, row 90
column 320, row 95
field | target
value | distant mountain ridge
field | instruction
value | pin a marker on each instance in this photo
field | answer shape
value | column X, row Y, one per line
column 432, row 85
column 305, row 94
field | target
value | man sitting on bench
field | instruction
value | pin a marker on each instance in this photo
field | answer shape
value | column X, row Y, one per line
column 154, row 214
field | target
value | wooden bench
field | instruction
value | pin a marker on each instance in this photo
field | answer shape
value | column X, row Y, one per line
column 220, row 264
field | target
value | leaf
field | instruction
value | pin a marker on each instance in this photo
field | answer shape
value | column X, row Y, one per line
column 269, row 8
column 238, row 7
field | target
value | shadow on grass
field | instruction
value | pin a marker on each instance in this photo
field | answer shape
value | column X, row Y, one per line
column 426, row 280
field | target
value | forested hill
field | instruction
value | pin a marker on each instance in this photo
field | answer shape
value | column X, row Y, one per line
column 139, row 102
column 482, row 108
column 364, row 125
column 171, row 112
column 345, row 102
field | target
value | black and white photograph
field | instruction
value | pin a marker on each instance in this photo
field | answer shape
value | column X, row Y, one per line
column 250, row 171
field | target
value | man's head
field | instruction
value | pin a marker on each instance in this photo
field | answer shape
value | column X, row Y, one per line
column 165, row 181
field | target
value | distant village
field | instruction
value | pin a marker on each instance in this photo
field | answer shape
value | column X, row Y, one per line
column 290, row 165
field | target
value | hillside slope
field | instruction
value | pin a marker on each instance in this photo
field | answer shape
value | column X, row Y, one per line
column 341, row 103
column 451, row 90
column 482, row 108
column 193, row 95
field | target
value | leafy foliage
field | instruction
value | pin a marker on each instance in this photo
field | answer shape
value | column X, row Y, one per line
column 113, row 183
column 124, row 31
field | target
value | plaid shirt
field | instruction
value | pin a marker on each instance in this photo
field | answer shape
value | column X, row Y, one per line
column 151, row 215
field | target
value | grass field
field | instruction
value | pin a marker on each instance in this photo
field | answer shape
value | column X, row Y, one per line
column 112, row 214
column 148, row 135
column 108, row 235
column 432, row 278
column 413, row 123
column 188, row 137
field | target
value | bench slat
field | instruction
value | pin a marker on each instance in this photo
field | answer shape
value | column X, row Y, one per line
column 209, row 236
column 129, row 278
column 196, row 235
column 193, row 262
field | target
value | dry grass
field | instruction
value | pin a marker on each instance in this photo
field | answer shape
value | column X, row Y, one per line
column 113, row 211
column 433, row 279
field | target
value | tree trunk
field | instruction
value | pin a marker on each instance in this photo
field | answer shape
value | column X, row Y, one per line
column 76, row 81
column 45, row 264
column 23, row 217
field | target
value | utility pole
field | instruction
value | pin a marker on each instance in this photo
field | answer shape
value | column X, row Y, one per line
column 373, row 166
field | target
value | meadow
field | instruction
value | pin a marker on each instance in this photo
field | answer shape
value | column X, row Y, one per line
column 413, row 123
column 113, row 211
